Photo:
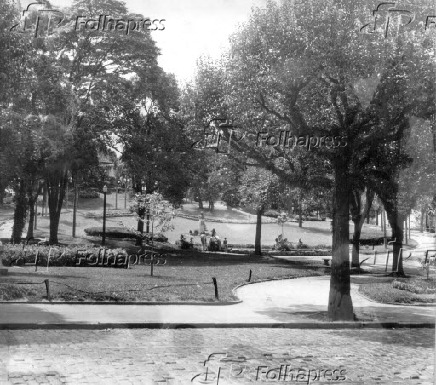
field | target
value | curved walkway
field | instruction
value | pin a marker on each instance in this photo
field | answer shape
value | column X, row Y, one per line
column 290, row 302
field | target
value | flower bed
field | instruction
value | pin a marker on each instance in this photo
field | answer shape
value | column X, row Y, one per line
column 109, row 214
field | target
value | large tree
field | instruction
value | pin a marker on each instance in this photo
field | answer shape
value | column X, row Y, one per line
column 300, row 65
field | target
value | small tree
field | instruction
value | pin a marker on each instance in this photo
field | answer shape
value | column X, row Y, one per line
column 158, row 211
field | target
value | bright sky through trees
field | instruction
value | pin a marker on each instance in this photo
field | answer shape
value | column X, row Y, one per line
column 192, row 28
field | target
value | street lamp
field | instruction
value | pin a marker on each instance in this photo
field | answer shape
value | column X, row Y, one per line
column 104, row 216
column 116, row 195
column 126, row 182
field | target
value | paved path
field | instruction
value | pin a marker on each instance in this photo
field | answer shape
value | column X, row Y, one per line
column 292, row 301
column 285, row 299
column 248, row 356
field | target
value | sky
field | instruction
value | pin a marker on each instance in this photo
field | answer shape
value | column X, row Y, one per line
column 192, row 28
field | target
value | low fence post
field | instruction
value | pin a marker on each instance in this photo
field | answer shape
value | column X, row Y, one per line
column 216, row 287
column 151, row 265
column 387, row 261
column 249, row 276
column 47, row 287
column 375, row 257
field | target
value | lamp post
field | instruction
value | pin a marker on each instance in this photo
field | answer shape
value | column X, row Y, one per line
column 116, row 195
column 103, row 241
column 126, row 182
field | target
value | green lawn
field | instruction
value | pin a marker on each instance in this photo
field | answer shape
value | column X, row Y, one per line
column 184, row 278
column 312, row 233
column 414, row 289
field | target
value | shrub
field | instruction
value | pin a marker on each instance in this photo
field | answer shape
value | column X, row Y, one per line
column 271, row 213
column 414, row 287
column 88, row 194
column 10, row 292
column 156, row 238
column 16, row 255
column 372, row 241
column 111, row 232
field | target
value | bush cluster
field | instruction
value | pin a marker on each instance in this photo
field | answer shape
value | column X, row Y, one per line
column 123, row 232
column 372, row 241
column 413, row 287
column 88, row 194
column 111, row 232
column 60, row 256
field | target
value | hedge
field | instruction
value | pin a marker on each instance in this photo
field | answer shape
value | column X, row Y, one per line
column 88, row 194
column 122, row 232
column 111, row 232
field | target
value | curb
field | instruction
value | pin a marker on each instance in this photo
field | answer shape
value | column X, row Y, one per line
column 226, row 303
column 296, row 325
column 269, row 280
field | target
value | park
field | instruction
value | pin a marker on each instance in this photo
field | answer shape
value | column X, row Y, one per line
column 284, row 179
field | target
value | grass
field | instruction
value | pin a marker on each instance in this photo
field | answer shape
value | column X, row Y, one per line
column 386, row 292
column 183, row 278
column 312, row 233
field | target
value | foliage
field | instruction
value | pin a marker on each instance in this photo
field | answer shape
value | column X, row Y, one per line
column 159, row 210
column 111, row 232
column 386, row 293
column 417, row 286
column 88, row 194
column 16, row 255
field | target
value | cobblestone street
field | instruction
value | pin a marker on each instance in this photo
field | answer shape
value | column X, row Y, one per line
column 144, row 356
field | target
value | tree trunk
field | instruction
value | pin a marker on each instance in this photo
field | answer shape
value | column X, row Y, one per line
column 358, row 220
column 396, row 220
column 355, row 259
column 421, row 223
column 300, row 212
column 257, row 238
column 211, row 206
column 44, row 200
column 56, row 186
column 340, row 306
column 20, row 212
column 31, row 219
column 140, row 227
